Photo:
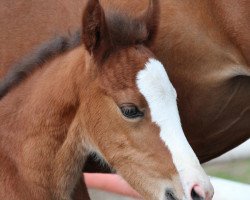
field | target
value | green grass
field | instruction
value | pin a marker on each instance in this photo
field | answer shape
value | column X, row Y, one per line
column 234, row 170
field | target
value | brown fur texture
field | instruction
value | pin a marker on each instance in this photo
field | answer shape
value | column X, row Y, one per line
column 68, row 108
column 204, row 46
column 37, row 59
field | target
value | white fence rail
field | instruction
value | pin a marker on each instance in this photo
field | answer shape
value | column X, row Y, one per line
column 230, row 190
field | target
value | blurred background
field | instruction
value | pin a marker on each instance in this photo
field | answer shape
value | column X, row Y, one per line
column 234, row 165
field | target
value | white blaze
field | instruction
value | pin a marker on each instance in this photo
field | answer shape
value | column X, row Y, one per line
column 155, row 86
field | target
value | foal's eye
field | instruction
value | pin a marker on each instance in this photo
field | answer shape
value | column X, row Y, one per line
column 131, row 111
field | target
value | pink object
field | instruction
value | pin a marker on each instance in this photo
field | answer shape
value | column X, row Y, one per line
column 110, row 183
column 199, row 190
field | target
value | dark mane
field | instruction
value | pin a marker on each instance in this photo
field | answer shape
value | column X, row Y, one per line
column 37, row 58
column 123, row 31
column 126, row 31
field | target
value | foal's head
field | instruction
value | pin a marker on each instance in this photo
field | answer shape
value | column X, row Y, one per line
column 129, row 111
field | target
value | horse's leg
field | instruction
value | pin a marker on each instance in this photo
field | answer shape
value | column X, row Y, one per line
column 81, row 192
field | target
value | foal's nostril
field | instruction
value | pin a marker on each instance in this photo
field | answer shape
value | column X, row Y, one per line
column 196, row 196
column 170, row 195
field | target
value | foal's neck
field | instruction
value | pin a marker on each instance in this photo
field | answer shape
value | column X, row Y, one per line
column 50, row 92
column 41, row 123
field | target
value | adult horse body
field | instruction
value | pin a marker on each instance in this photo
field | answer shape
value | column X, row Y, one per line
column 204, row 45
column 109, row 96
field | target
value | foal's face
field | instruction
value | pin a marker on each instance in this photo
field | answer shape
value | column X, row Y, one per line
column 134, row 125
column 129, row 108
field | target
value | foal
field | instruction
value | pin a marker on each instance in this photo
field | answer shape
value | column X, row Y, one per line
column 109, row 96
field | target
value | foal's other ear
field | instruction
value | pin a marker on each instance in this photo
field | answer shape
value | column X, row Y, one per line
column 151, row 17
column 94, row 32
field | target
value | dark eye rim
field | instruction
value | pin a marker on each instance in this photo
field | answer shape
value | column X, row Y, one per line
column 131, row 111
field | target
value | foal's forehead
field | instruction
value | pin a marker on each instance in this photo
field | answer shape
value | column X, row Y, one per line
column 122, row 67
column 139, row 54
column 154, row 84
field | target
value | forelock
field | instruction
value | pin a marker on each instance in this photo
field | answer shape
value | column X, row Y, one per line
column 125, row 30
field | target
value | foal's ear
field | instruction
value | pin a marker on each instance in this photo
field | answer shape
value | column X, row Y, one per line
column 151, row 17
column 94, row 26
